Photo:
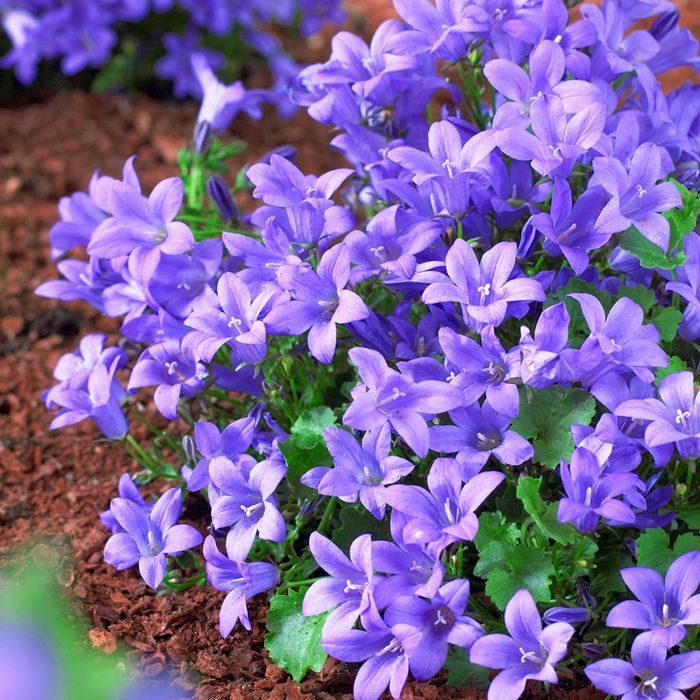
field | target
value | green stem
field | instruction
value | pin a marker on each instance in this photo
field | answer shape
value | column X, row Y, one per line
column 328, row 514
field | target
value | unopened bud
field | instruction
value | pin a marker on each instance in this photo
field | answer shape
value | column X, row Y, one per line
column 221, row 196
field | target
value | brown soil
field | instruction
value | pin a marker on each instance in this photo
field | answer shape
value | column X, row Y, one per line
column 53, row 485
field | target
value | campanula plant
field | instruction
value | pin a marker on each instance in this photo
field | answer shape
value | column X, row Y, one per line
column 441, row 404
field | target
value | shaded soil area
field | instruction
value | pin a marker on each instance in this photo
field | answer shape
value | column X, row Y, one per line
column 53, row 485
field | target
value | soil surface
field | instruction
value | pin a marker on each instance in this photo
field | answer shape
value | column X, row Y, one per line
column 53, row 485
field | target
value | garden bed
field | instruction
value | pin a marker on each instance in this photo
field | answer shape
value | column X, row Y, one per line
column 52, row 486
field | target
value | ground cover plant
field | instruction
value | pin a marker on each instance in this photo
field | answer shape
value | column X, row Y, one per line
column 441, row 403
column 129, row 42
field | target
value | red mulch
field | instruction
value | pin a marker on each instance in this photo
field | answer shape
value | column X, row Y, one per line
column 53, row 485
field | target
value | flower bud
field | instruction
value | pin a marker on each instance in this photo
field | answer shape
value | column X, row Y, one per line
column 221, row 196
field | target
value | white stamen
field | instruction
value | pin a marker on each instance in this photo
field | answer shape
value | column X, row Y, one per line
column 392, row 646
column 683, row 418
column 234, row 322
column 450, row 165
column 589, row 496
column 651, row 683
column 640, row 191
column 526, row 655
column 377, row 251
column 484, row 290
column 558, row 38
column 440, row 619
column 249, row 510
column 448, row 511
column 171, row 367
column 183, row 285
column 350, row 586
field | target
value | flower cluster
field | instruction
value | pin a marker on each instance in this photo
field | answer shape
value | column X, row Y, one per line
column 85, row 33
column 470, row 356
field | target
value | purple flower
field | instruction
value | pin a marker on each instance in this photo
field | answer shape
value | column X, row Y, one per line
column 663, row 606
column 181, row 283
column 477, row 433
column 359, row 471
column 649, row 674
column 571, row 229
column 412, row 569
column 320, row 301
column 221, row 103
column 247, row 502
column 426, row 628
column 240, row 580
column 481, row 369
column 484, row 290
column 688, row 287
column 77, row 366
column 445, row 513
column 557, row 141
column 388, row 396
column 529, row 653
column 100, row 399
column 127, row 490
column 280, row 183
column 591, row 496
column 143, row 223
column 385, row 661
column 235, row 322
column 540, row 357
column 173, row 367
column 636, row 199
column 675, row 418
column 80, row 216
column 176, row 65
column 214, row 446
column 349, row 590
column 148, row 537
column 547, row 65
column 620, row 341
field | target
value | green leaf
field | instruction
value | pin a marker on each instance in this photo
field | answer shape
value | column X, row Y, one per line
column 461, row 673
column 642, row 295
column 545, row 515
column 294, row 641
column 675, row 364
column 356, row 520
column 546, row 417
column 493, row 527
column 495, row 540
column 299, row 461
column 307, row 430
column 526, row 567
column 667, row 319
column 305, row 448
column 691, row 518
column 654, row 550
column 648, row 253
column 684, row 219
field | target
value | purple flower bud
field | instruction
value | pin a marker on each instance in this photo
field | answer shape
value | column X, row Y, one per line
column 221, row 195
column 688, row 174
column 664, row 24
column 592, row 650
column 287, row 152
column 189, row 448
column 202, row 133
column 586, row 597
column 570, row 615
